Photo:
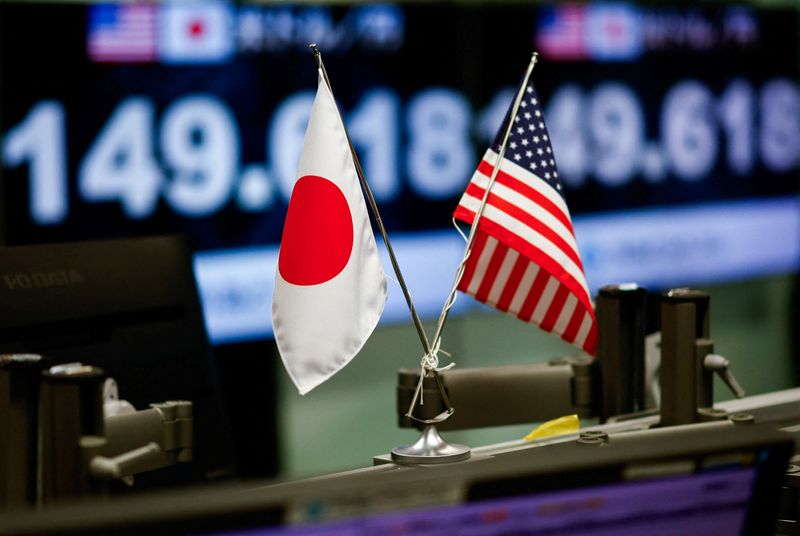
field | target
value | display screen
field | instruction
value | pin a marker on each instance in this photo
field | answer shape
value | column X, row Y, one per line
column 676, row 131
column 712, row 503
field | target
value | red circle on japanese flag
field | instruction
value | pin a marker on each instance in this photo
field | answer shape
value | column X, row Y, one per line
column 318, row 234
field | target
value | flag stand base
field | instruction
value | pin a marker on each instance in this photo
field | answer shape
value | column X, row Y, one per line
column 430, row 448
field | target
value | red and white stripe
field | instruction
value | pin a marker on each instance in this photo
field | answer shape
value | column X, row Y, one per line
column 524, row 260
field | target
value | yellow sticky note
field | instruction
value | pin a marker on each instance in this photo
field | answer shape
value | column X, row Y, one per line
column 568, row 424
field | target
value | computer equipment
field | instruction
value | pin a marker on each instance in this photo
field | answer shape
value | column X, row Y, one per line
column 131, row 308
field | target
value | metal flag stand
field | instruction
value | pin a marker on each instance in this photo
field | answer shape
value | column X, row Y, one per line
column 430, row 448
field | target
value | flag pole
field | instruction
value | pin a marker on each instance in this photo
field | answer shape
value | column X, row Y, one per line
column 374, row 206
column 430, row 447
column 437, row 339
column 471, row 239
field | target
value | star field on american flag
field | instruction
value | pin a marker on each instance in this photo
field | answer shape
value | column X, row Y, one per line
column 524, row 258
column 529, row 142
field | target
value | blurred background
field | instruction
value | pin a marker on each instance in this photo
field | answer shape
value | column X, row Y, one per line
column 676, row 130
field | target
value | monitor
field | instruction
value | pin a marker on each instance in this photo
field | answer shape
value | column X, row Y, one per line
column 130, row 307
column 715, row 503
column 674, row 127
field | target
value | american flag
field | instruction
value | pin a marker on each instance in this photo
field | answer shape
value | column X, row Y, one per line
column 122, row 33
column 561, row 32
column 524, row 259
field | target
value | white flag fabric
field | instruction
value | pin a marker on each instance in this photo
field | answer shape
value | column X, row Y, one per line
column 330, row 288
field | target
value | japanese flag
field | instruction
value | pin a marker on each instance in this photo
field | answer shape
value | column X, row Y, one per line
column 330, row 288
column 196, row 32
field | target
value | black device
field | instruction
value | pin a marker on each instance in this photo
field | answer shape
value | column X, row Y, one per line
column 673, row 128
column 129, row 307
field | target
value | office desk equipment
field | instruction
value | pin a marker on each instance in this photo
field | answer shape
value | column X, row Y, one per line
column 128, row 307
column 694, row 479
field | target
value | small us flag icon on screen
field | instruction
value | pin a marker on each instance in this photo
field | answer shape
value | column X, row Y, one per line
column 122, row 33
